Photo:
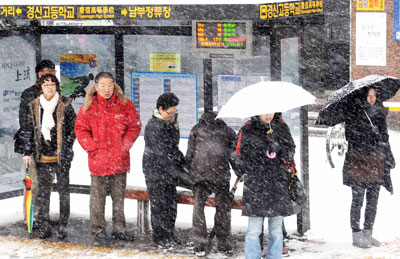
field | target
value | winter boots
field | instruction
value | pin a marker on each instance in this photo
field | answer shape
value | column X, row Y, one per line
column 62, row 231
column 364, row 239
column 360, row 241
column 368, row 236
column 102, row 238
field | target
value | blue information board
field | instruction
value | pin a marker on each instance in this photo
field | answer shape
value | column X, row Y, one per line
column 147, row 86
column 396, row 22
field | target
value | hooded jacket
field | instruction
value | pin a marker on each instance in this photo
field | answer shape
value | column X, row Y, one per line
column 210, row 144
column 107, row 129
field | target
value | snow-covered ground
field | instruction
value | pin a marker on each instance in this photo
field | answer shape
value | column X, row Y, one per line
column 329, row 237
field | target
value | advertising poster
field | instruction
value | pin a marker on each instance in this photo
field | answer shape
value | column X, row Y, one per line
column 165, row 62
column 147, row 86
column 77, row 73
column 370, row 39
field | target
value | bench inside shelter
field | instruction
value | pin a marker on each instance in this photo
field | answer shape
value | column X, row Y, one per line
column 143, row 209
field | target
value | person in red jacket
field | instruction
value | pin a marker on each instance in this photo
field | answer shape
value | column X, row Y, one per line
column 106, row 127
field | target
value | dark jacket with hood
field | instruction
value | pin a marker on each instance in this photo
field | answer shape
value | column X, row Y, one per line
column 209, row 147
column 365, row 138
column 265, row 192
column 162, row 158
column 62, row 134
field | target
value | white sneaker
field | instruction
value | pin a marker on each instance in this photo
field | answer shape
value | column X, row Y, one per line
column 199, row 253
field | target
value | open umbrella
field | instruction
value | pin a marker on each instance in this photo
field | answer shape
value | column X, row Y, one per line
column 341, row 102
column 28, row 200
column 265, row 97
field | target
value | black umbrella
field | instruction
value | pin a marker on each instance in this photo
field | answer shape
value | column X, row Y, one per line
column 342, row 102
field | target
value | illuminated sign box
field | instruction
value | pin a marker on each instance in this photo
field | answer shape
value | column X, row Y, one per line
column 222, row 39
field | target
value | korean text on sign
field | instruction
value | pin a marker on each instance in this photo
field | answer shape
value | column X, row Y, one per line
column 51, row 12
column 276, row 10
column 149, row 12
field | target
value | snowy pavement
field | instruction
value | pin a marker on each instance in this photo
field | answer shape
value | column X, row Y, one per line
column 329, row 237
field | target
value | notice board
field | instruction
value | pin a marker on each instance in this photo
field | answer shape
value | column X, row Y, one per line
column 146, row 87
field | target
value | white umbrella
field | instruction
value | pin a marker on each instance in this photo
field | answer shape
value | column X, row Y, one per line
column 265, row 97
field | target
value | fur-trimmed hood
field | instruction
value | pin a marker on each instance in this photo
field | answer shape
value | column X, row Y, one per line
column 89, row 96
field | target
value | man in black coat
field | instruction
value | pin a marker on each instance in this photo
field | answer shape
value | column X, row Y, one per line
column 208, row 155
column 162, row 162
column 28, row 95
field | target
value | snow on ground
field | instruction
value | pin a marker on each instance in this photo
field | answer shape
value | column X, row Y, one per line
column 329, row 237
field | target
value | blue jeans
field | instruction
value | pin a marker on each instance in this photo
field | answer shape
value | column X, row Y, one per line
column 252, row 247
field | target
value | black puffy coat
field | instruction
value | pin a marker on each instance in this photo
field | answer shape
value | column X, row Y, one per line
column 364, row 137
column 162, row 158
column 209, row 146
column 265, row 192
column 62, row 135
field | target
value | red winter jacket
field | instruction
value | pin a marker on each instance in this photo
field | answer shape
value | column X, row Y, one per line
column 107, row 130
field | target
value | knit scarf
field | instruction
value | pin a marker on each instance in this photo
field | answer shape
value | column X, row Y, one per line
column 48, row 109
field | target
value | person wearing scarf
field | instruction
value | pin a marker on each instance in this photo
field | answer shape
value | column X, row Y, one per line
column 48, row 136
column 44, row 67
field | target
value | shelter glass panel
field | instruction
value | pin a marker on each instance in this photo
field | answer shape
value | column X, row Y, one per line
column 155, row 64
column 290, row 65
column 17, row 71
column 231, row 75
column 78, row 55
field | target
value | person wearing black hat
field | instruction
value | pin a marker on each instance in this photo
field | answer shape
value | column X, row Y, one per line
column 43, row 67
column 28, row 95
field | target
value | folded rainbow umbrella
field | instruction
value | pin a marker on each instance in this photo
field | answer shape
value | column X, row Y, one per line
column 28, row 201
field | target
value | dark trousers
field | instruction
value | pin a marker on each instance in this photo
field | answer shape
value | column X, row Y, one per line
column 372, row 195
column 99, row 187
column 46, row 172
column 222, row 218
column 163, row 208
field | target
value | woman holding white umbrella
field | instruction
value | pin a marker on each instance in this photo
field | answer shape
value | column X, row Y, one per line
column 265, row 144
